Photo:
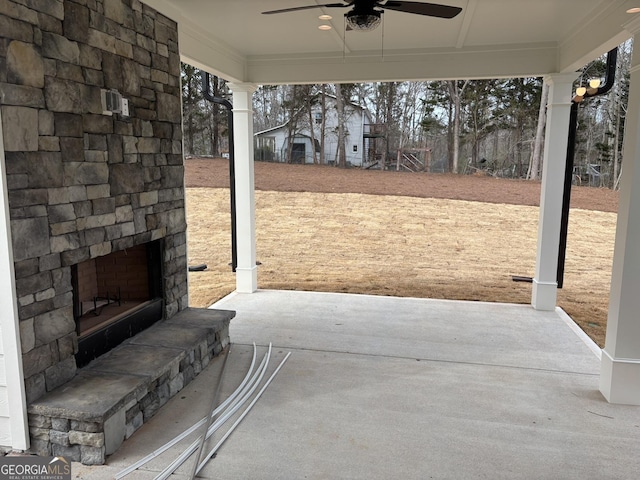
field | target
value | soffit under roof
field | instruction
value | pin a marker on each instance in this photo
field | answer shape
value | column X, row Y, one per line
column 490, row 38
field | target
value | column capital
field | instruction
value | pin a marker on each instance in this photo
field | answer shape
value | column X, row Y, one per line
column 242, row 97
column 242, row 87
column 560, row 78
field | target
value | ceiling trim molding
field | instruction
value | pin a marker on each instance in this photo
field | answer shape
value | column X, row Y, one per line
column 494, row 62
column 208, row 53
column 389, row 55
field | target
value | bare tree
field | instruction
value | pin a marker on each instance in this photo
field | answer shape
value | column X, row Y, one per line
column 342, row 154
column 310, row 101
column 456, row 90
column 323, row 124
column 293, row 105
column 216, row 126
column 618, row 99
column 536, row 160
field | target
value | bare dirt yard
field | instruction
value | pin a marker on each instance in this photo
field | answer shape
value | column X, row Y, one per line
column 401, row 234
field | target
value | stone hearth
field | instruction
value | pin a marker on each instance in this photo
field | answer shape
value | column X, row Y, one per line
column 114, row 395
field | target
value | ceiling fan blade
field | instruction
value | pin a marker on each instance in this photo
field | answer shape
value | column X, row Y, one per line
column 429, row 9
column 308, row 7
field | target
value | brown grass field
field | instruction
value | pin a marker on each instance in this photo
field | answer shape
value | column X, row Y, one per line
column 399, row 234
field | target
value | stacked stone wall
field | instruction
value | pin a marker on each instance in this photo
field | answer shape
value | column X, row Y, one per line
column 83, row 184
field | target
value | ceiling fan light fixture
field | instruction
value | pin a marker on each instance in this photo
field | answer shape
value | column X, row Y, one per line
column 363, row 22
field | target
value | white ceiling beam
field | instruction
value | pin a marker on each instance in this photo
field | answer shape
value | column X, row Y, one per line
column 490, row 62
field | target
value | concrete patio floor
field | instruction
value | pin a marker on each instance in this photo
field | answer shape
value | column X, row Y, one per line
column 380, row 387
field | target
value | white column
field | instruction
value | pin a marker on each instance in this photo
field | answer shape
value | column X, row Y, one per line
column 12, row 392
column 620, row 371
column 246, row 271
column 545, row 283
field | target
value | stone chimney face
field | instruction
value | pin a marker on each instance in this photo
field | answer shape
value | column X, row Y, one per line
column 83, row 183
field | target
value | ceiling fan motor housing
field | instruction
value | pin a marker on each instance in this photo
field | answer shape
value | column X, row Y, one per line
column 363, row 19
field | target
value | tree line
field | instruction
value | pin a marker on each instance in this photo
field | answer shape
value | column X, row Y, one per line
column 490, row 126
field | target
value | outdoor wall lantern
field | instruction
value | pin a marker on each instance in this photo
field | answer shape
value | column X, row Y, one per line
column 581, row 92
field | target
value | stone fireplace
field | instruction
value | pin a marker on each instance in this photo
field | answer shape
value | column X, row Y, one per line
column 84, row 183
column 97, row 213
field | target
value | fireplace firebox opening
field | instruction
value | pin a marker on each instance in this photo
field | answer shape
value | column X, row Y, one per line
column 115, row 297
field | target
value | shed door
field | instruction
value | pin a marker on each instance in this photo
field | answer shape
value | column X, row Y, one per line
column 298, row 153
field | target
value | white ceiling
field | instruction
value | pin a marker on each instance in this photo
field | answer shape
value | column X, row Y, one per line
column 489, row 39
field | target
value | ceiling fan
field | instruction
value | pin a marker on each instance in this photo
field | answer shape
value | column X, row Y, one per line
column 367, row 14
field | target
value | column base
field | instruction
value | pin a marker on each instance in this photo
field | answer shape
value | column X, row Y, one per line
column 620, row 380
column 246, row 279
column 544, row 295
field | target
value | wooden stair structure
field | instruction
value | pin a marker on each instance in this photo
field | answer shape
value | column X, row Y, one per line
column 413, row 160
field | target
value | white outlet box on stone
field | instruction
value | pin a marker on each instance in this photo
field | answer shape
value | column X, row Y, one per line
column 113, row 102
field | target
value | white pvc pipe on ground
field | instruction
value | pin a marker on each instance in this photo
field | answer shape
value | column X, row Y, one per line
column 226, row 435
column 193, row 428
column 166, row 473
